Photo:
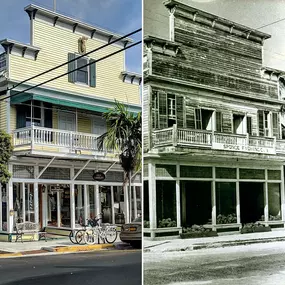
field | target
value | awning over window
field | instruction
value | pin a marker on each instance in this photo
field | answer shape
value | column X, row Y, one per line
column 81, row 103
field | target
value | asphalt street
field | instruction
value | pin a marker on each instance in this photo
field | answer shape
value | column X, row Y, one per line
column 262, row 264
column 101, row 267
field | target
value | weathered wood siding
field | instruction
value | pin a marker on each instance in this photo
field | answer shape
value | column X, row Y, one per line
column 146, row 124
column 211, row 57
column 55, row 44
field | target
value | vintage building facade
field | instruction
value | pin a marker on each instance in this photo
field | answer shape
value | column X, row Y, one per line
column 214, row 152
column 55, row 126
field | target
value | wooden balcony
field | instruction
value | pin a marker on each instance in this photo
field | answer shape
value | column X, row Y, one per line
column 40, row 140
column 218, row 141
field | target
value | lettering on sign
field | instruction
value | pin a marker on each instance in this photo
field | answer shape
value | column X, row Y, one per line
column 244, row 148
column 99, row 176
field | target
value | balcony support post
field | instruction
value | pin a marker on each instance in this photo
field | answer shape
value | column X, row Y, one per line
column 80, row 170
column 174, row 134
column 238, row 198
column 72, row 200
column 45, row 168
column 213, row 196
column 282, row 195
column 152, row 199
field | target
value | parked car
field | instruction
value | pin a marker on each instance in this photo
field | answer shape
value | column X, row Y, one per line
column 132, row 233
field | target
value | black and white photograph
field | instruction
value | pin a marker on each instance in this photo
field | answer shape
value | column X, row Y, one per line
column 213, row 142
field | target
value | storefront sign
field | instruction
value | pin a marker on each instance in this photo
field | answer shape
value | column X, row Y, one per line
column 244, row 148
column 99, row 176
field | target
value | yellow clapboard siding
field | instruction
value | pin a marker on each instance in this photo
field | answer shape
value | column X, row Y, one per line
column 54, row 118
column 3, row 115
column 13, row 121
column 84, row 125
column 55, row 44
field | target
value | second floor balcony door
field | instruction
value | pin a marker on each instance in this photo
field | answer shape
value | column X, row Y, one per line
column 99, row 125
column 67, row 121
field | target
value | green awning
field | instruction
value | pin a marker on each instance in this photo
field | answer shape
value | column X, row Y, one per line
column 56, row 101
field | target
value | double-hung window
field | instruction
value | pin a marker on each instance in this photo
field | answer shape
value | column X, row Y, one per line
column 268, row 124
column 86, row 74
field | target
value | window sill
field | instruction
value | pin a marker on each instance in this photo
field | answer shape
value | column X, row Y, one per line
column 82, row 84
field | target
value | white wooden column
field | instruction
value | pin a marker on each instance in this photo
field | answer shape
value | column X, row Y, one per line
column 135, row 202
column 238, row 198
column 265, row 191
column 78, row 207
column 178, row 201
column 152, row 198
column 213, row 198
column 126, row 204
column 58, row 209
column 23, row 193
column 1, row 207
column 44, row 206
column 36, row 202
column 10, row 203
column 86, row 204
column 72, row 201
column 98, row 200
column 282, row 195
column 112, row 205
column 36, row 195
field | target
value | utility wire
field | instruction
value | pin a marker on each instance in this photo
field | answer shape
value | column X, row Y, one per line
column 58, row 66
column 59, row 76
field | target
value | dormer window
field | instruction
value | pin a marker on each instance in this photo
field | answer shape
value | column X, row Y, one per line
column 85, row 75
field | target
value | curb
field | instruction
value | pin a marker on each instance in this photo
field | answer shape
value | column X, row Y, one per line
column 77, row 248
column 219, row 244
column 7, row 255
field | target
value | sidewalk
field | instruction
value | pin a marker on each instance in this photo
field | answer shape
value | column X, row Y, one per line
column 62, row 245
column 212, row 242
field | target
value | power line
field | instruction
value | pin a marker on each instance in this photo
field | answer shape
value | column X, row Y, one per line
column 58, row 66
column 59, row 76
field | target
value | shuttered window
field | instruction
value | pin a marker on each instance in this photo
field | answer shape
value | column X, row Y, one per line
column 198, row 119
column 249, row 125
column 86, row 74
column 219, row 122
column 268, row 124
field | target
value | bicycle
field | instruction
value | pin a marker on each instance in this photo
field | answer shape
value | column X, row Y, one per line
column 106, row 233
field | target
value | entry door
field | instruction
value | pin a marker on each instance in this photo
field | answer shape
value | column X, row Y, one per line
column 66, row 121
column 99, row 125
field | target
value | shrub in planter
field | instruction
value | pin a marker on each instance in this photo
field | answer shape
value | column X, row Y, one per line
column 166, row 223
column 197, row 231
column 146, row 224
column 254, row 228
column 227, row 219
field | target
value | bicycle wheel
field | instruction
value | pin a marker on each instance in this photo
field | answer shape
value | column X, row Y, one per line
column 111, row 235
column 90, row 237
column 79, row 237
column 72, row 237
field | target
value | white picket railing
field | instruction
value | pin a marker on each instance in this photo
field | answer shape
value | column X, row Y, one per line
column 213, row 140
column 57, row 138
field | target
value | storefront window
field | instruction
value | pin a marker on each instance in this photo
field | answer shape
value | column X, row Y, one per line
column 79, row 205
column 106, row 204
column 274, row 201
column 29, row 203
column 226, row 202
column 92, row 203
column 3, row 212
column 166, row 204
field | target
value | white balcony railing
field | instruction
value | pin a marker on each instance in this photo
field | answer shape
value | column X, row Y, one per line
column 69, row 140
column 220, row 141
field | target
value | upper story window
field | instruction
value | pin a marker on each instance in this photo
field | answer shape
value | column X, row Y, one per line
column 86, row 74
column 268, row 123
column 204, row 119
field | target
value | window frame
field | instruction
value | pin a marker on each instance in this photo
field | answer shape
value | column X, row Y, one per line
column 76, row 72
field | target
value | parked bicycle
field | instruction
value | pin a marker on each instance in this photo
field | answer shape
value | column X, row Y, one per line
column 106, row 233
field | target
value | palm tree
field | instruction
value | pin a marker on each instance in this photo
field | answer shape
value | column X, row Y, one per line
column 124, row 135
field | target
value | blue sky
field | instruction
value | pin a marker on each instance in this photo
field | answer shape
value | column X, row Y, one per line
column 119, row 16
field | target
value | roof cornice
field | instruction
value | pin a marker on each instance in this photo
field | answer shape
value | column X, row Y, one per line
column 33, row 10
column 216, row 22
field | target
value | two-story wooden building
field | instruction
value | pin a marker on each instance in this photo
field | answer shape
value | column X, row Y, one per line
column 213, row 149
column 55, row 126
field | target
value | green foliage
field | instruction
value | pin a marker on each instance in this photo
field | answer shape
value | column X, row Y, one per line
column 166, row 223
column 196, row 229
column 146, row 224
column 6, row 149
column 124, row 135
column 227, row 219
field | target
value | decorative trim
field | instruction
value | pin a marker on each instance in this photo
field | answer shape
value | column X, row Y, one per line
column 110, row 38
column 24, row 51
column 74, row 27
column 55, row 20
column 92, row 33
column 195, row 15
